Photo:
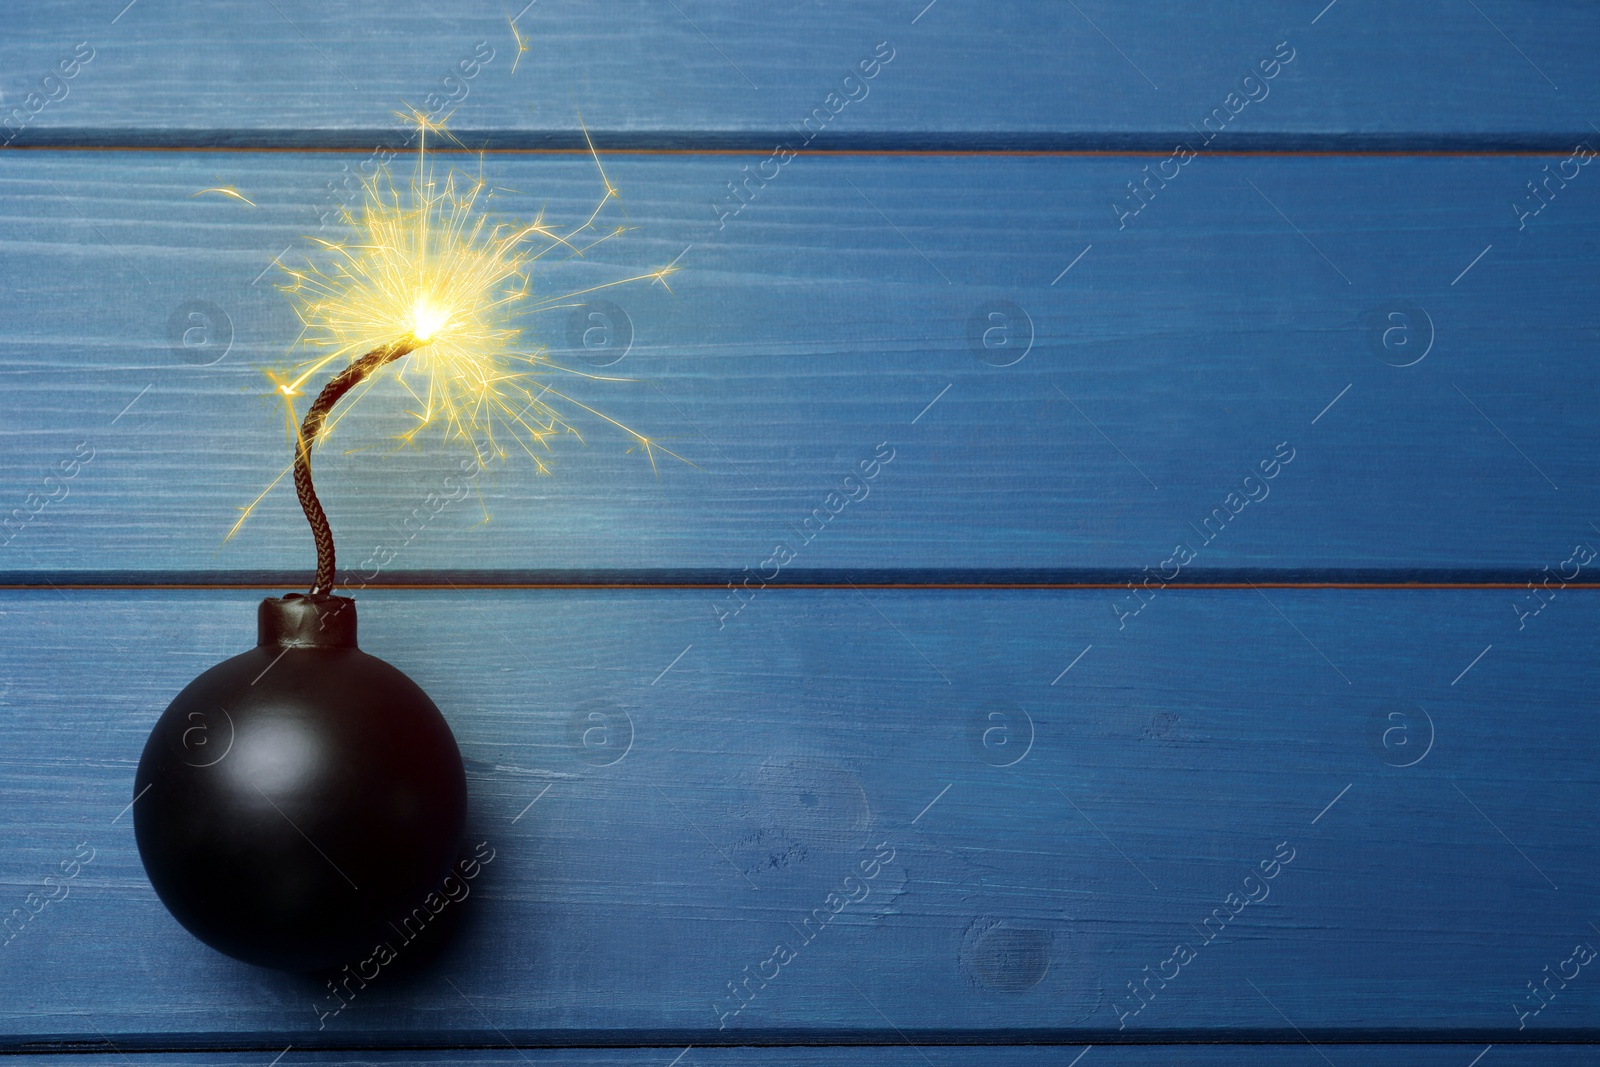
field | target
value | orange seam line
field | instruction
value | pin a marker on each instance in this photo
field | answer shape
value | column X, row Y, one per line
column 954, row 586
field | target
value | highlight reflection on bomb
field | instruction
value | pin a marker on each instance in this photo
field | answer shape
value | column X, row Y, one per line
column 294, row 801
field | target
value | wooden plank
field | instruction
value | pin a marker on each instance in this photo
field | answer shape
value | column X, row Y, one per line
column 1242, row 315
column 1002, row 1056
column 1065, row 802
column 887, row 1056
column 1094, row 74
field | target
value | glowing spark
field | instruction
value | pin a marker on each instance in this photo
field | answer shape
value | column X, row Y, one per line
column 427, row 269
column 427, row 318
column 225, row 190
column 522, row 45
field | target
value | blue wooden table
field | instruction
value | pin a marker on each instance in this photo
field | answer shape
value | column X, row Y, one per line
column 1129, row 598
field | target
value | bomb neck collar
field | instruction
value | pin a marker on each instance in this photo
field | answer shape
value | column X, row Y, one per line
column 300, row 620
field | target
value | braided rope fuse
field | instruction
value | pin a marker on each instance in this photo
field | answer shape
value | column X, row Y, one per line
column 311, row 428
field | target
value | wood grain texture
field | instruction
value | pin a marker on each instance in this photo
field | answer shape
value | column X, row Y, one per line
column 1300, row 1055
column 1243, row 309
column 1383, row 264
column 1065, row 802
column 1094, row 74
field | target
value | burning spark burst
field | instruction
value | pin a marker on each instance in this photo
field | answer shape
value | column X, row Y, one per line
column 427, row 276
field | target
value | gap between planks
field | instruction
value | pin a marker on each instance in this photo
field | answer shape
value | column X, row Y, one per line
column 444, row 584
column 1462, row 152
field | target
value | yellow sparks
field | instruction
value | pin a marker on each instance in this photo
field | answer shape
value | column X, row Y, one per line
column 225, row 190
column 425, row 265
column 522, row 45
